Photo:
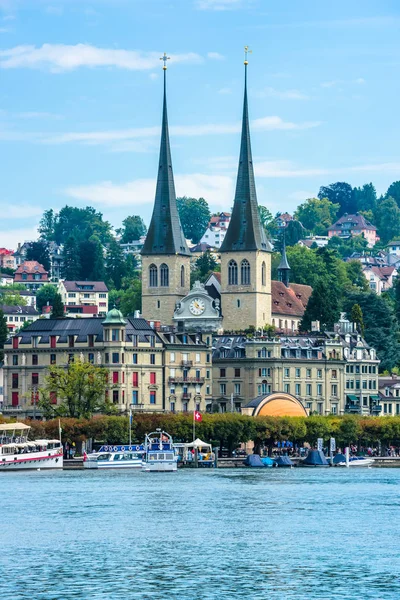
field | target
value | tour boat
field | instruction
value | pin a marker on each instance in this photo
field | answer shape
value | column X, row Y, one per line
column 16, row 452
column 160, row 454
column 115, row 457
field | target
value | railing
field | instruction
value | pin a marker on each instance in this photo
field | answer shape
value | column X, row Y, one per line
column 187, row 363
column 186, row 379
column 186, row 396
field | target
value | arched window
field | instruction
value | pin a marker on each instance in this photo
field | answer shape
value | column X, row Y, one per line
column 182, row 276
column 164, row 275
column 232, row 273
column 153, row 276
column 245, row 272
column 263, row 273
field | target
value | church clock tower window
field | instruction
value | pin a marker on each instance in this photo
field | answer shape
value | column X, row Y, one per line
column 153, row 276
column 263, row 274
column 164, row 275
column 245, row 272
column 232, row 273
column 182, row 276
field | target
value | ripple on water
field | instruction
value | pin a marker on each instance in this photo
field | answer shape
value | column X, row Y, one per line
column 276, row 534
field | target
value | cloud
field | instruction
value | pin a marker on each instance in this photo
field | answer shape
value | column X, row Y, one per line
column 215, row 56
column 225, row 90
column 270, row 92
column 55, row 10
column 220, row 4
column 336, row 82
column 10, row 237
column 20, row 211
column 60, row 57
column 218, row 189
column 272, row 123
column 285, row 169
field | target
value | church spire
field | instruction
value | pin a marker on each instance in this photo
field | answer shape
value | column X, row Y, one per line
column 165, row 235
column 245, row 231
column 284, row 268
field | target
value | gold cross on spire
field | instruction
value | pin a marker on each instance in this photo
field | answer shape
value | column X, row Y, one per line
column 164, row 58
column 246, row 52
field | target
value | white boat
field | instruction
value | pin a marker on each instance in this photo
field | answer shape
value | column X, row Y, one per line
column 357, row 461
column 115, row 457
column 160, row 454
column 17, row 452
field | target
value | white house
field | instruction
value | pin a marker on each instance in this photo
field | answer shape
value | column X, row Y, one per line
column 84, row 298
column 380, row 279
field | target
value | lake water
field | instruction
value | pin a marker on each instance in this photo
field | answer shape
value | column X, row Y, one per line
column 299, row 534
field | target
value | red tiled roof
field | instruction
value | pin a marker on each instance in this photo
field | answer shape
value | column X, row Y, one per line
column 5, row 252
column 290, row 301
column 31, row 266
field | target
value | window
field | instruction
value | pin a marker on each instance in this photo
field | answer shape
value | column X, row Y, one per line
column 115, row 335
column 237, row 389
column 15, row 380
column 152, row 359
column 71, row 358
column 91, row 358
column 286, row 388
column 172, row 407
column 297, row 389
column 152, row 378
column 91, row 340
column 222, row 389
column 115, row 377
column 164, row 275
column 34, row 359
column 153, row 276
column 15, row 343
column 172, row 357
column 14, row 398
column 102, row 295
column 319, row 389
column 208, row 390
column 286, row 373
column 35, row 378
column 115, row 396
column 319, row 373
column 208, row 358
column 134, row 359
column 238, row 303
column 232, row 273
column 263, row 278
column 222, row 372
column 334, row 374
column 334, row 390
column 308, row 373
column 298, row 373
column 135, row 397
column 237, row 372
column 152, row 397
column 182, row 276
column 308, row 389
column 115, row 358
column 135, row 379
column 197, row 357
column 53, row 359
column 245, row 272
column 53, row 341
column 71, row 341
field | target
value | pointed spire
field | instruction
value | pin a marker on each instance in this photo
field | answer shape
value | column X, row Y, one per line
column 245, row 231
column 284, row 268
column 165, row 235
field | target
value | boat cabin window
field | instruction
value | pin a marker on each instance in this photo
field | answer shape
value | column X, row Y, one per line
column 104, row 456
column 169, row 457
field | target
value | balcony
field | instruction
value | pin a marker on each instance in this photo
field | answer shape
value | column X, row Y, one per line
column 187, row 363
column 186, row 379
column 186, row 396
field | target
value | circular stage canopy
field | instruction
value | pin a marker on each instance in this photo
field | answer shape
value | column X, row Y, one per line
column 277, row 404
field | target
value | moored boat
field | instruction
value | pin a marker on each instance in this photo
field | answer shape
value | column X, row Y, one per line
column 115, row 457
column 17, row 452
column 160, row 454
column 356, row 461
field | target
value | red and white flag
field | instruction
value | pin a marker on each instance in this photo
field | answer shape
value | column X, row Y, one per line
column 197, row 416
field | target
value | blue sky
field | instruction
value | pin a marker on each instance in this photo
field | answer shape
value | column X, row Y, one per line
column 81, row 92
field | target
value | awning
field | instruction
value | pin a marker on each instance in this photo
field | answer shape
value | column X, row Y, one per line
column 198, row 444
column 353, row 398
column 12, row 426
column 376, row 398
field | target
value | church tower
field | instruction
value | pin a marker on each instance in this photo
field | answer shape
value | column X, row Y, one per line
column 245, row 251
column 165, row 255
column 284, row 268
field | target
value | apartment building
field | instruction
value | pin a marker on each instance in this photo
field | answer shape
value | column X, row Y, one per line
column 84, row 298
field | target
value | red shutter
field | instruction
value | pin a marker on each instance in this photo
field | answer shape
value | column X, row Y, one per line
column 53, row 397
column 15, row 342
column 152, row 378
column 53, row 341
column 135, row 379
column 115, row 376
column 14, row 398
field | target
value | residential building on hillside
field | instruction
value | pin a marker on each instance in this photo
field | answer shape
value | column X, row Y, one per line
column 7, row 260
column 56, row 261
column 380, row 279
column 350, row 225
column 213, row 236
column 32, row 274
column 330, row 373
column 317, row 240
column 394, row 247
column 16, row 316
column 6, row 279
column 389, row 395
column 20, row 253
column 283, row 220
column 149, row 371
column 84, row 298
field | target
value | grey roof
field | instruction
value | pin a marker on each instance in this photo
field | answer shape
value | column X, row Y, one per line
column 76, row 286
column 284, row 265
column 18, row 310
column 245, row 231
column 165, row 235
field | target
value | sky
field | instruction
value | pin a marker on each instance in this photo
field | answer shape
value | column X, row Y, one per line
column 81, row 100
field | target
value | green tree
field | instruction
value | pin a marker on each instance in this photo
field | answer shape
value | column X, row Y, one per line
column 340, row 193
column 80, row 388
column 133, row 228
column 115, row 264
column 267, row 220
column 354, row 270
column 365, row 198
column 346, row 247
column 394, row 192
column 294, row 232
column 307, row 267
column 317, row 214
column 81, row 223
column 323, row 306
column 205, row 264
column 71, row 260
column 194, row 214
column 387, row 217
column 57, row 310
column 4, row 333
column 47, row 225
column 131, row 299
column 39, row 251
column 13, row 300
column 45, row 295
column 357, row 318
column 91, row 260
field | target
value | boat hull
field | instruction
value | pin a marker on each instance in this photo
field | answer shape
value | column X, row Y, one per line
column 32, row 461
column 94, row 464
column 368, row 462
column 160, row 467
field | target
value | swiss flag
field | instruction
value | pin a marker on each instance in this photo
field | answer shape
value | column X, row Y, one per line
column 198, row 416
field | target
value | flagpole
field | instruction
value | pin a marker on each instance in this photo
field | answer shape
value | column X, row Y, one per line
column 59, row 429
column 194, row 425
column 130, row 426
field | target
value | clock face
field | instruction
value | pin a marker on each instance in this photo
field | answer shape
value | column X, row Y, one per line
column 197, row 306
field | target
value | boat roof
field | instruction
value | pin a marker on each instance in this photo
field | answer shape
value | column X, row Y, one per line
column 13, row 426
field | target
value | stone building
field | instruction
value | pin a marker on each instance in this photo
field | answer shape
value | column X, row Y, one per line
column 149, row 371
